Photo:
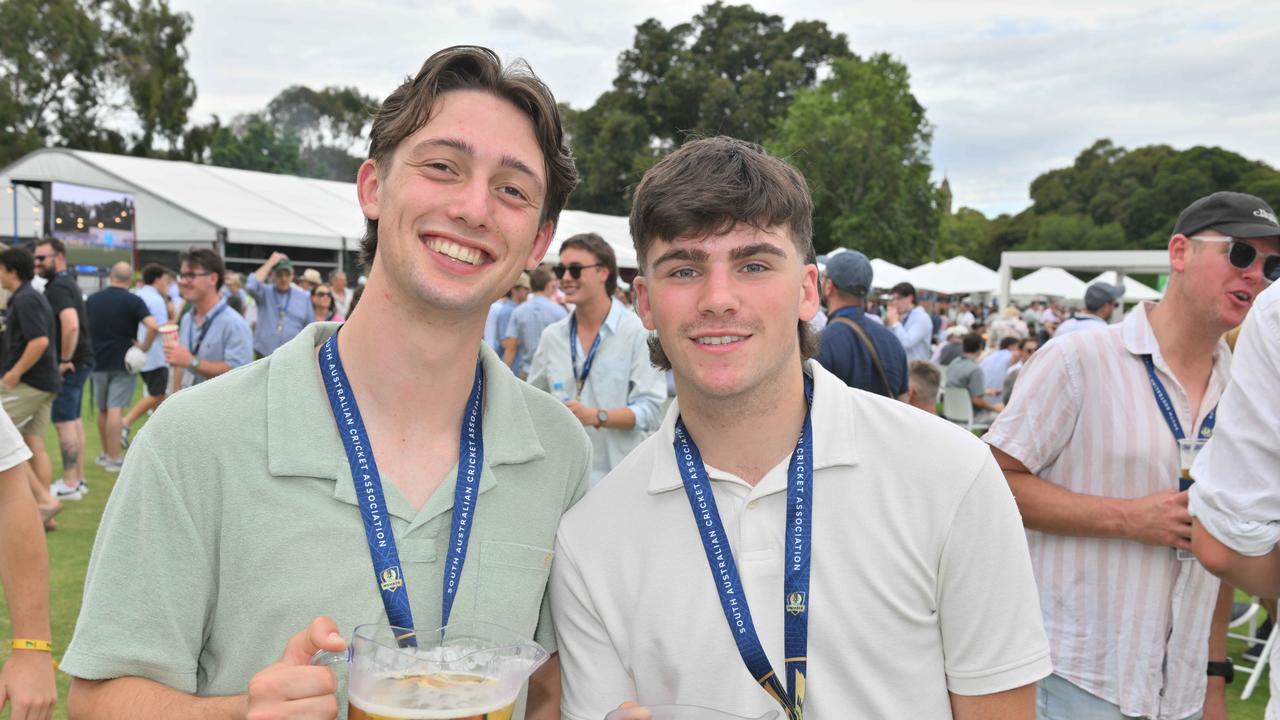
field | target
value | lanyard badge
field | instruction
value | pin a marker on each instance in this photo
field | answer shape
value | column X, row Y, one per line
column 388, row 574
column 724, row 571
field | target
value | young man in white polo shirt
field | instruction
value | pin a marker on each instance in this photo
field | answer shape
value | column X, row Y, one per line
column 901, row 576
column 1090, row 448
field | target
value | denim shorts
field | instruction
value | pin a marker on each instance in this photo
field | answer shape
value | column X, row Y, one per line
column 66, row 406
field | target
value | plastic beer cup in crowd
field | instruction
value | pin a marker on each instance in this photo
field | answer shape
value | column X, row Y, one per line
column 169, row 334
column 1188, row 449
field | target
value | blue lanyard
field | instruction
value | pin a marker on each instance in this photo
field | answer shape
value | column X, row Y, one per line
column 373, row 507
column 195, row 343
column 733, row 600
column 573, row 351
column 1166, row 406
column 283, row 311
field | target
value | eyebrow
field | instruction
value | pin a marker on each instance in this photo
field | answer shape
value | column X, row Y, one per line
column 507, row 161
column 754, row 249
column 687, row 254
column 683, row 254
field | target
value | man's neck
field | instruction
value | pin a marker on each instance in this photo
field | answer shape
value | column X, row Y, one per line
column 206, row 303
column 122, row 286
column 282, row 290
column 1183, row 343
column 835, row 303
column 592, row 312
column 409, row 362
column 752, row 432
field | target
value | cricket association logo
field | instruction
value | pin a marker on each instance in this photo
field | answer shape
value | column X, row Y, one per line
column 391, row 579
column 795, row 603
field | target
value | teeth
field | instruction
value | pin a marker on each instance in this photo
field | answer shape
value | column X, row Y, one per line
column 1242, row 297
column 720, row 340
column 455, row 251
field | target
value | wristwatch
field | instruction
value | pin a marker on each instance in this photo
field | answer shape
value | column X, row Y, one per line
column 195, row 362
column 602, row 417
column 1222, row 669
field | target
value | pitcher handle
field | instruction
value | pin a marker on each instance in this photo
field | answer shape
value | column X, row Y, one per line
column 324, row 657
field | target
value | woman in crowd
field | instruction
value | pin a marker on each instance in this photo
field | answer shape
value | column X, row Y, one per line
column 322, row 304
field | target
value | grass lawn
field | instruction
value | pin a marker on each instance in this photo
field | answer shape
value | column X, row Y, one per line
column 69, row 550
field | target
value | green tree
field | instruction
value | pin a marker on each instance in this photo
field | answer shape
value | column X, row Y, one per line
column 966, row 232
column 729, row 71
column 254, row 143
column 862, row 141
column 328, row 124
column 148, row 43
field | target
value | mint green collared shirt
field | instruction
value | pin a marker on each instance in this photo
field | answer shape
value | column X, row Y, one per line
column 234, row 523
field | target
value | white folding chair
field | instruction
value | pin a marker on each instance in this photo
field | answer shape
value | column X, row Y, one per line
column 958, row 408
column 1250, row 618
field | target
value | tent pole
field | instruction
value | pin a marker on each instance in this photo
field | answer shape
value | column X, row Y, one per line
column 1118, row 315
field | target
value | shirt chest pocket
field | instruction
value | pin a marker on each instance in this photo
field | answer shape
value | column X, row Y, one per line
column 513, row 579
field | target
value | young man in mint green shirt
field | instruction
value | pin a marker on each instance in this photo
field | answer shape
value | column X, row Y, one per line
column 236, row 532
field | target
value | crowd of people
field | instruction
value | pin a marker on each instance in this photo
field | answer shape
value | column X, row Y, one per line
column 722, row 486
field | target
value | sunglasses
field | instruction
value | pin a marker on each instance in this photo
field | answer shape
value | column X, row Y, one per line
column 575, row 270
column 1242, row 255
column 189, row 276
column 320, row 294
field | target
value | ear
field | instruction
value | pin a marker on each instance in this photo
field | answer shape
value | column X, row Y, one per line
column 1179, row 252
column 809, row 300
column 541, row 242
column 643, row 308
column 367, row 186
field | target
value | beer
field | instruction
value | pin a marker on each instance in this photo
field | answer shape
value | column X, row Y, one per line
column 435, row 696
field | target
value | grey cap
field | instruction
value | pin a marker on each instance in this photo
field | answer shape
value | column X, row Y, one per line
column 850, row 271
column 1100, row 293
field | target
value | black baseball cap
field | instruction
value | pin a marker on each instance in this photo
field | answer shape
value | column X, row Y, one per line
column 1236, row 214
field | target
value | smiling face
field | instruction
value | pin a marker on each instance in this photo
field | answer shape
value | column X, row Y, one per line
column 1222, row 292
column 726, row 307
column 458, row 207
column 590, row 284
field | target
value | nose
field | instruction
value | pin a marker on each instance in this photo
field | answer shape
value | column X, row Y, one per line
column 718, row 294
column 471, row 203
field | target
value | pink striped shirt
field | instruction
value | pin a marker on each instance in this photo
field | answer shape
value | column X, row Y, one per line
column 1127, row 622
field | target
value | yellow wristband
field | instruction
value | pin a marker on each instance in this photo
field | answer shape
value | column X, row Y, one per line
column 28, row 644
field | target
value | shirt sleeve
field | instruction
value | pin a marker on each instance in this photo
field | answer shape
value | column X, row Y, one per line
column 539, row 365
column 1037, row 424
column 648, row 387
column 145, row 619
column 594, row 679
column 58, row 296
column 256, row 289
column 515, row 325
column 139, row 308
column 900, row 361
column 975, row 383
column 993, row 637
column 1236, row 496
column 238, row 348
column 31, row 322
column 914, row 328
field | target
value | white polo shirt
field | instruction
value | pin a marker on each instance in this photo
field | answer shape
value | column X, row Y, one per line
column 920, row 583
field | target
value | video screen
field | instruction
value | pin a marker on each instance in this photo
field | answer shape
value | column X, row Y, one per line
column 96, row 225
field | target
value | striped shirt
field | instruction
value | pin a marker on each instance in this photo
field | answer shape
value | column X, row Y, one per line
column 1127, row 622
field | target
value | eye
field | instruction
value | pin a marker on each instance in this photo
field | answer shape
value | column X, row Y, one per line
column 683, row 273
column 513, row 191
column 755, row 267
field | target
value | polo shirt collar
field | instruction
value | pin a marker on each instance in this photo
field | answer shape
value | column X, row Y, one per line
column 1139, row 339
column 834, row 436
column 303, row 441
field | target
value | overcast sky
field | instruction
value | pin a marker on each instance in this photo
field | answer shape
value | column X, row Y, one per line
column 1012, row 89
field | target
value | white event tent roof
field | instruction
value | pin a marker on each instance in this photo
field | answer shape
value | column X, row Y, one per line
column 1134, row 291
column 957, row 276
column 1049, row 282
column 179, row 204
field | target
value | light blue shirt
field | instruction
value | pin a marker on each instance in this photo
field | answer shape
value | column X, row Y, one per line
column 526, row 324
column 281, row 316
column 995, row 367
column 914, row 332
column 493, row 333
column 224, row 335
column 156, row 305
column 621, row 376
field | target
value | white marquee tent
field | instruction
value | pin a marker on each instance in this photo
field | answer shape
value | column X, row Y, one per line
column 1134, row 291
column 957, row 276
column 1049, row 282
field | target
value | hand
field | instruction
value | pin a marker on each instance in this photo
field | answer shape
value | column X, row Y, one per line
column 66, row 367
column 27, row 682
column 10, row 380
column 891, row 315
column 586, row 415
column 998, row 407
column 1215, row 699
column 638, row 712
column 294, row 688
column 177, row 355
column 276, row 257
column 1159, row 519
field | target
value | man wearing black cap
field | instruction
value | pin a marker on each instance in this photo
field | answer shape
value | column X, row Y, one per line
column 1136, row 629
column 862, row 353
column 1099, row 302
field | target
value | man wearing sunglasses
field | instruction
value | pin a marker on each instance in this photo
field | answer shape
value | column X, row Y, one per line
column 596, row 360
column 1091, row 452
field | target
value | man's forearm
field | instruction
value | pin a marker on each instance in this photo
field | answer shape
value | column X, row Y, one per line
column 211, row 368
column 30, row 355
column 127, row 698
column 24, row 557
column 70, row 338
column 152, row 329
column 1016, row 704
column 1053, row 509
